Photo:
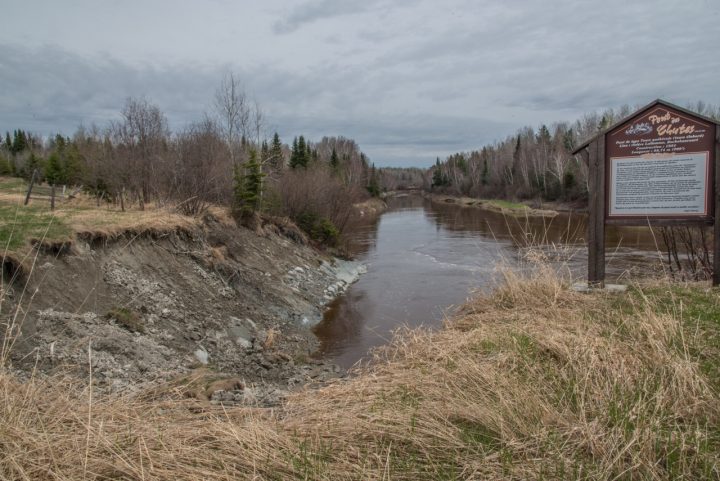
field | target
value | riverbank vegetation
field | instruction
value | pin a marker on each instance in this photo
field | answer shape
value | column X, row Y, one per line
column 226, row 159
column 531, row 381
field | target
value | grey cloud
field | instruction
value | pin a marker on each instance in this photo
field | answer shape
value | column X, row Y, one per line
column 319, row 9
column 407, row 83
column 315, row 10
column 49, row 90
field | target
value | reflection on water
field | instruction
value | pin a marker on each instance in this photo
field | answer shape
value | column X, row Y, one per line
column 423, row 258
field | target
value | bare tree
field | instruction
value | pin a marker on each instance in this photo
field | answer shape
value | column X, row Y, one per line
column 201, row 173
column 257, row 122
column 233, row 113
column 141, row 141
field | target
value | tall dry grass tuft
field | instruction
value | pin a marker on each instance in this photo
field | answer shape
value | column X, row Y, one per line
column 532, row 381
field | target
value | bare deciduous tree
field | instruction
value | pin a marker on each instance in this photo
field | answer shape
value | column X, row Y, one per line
column 142, row 140
column 233, row 113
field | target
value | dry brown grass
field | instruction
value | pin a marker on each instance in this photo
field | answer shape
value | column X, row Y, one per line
column 533, row 381
column 23, row 227
column 110, row 224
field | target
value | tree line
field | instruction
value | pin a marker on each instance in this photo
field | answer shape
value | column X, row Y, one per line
column 224, row 158
column 533, row 163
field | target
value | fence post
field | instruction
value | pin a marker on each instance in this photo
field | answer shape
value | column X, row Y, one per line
column 52, row 196
column 32, row 181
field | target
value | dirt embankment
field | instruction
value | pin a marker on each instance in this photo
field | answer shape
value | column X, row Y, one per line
column 143, row 308
column 371, row 207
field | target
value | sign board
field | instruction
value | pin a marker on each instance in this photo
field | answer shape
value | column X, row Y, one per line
column 659, row 166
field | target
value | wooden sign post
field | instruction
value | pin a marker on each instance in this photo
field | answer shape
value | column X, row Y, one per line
column 656, row 167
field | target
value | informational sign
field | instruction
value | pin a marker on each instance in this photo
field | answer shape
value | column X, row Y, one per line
column 659, row 166
column 663, row 185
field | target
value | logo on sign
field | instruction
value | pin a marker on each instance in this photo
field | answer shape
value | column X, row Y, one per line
column 641, row 128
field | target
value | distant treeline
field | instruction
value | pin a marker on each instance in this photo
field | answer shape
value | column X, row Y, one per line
column 223, row 158
column 532, row 164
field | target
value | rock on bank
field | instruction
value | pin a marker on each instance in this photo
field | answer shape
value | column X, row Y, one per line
column 145, row 307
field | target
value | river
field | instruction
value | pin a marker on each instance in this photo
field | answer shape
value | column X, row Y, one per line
column 424, row 258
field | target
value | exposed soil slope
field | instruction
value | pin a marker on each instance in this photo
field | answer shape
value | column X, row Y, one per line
column 149, row 306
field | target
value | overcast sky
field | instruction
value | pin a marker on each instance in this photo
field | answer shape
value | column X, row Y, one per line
column 408, row 79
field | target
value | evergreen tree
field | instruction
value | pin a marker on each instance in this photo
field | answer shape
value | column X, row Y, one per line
column 543, row 135
column 373, row 186
column 8, row 141
column 53, row 171
column 485, row 174
column 248, row 186
column 32, row 163
column 72, row 164
column 300, row 155
column 516, row 153
column 302, row 147
column 439, row 178
column 276, row 153
column 264, row 152
column 295, row 159
column 20, row 142
column 334, row 161
column 59, row 142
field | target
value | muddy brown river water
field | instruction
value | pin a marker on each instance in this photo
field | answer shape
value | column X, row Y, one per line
column 424, row 258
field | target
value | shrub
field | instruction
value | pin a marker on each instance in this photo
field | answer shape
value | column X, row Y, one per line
column 127, row 319
column 319, row 202
column 319, row 228
column 5, row 166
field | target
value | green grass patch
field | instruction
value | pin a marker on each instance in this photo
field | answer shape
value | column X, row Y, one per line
column 127, row 319
column 13, row 185
column 505, row 204
column 699, row 308
column 476, row 434
column 21, row 224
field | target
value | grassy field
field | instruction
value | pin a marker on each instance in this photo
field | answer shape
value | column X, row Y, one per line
column 23, row 226
column 20, row 225
column 532, row 381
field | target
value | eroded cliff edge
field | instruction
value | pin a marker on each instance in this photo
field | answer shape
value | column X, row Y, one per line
column 149, row 307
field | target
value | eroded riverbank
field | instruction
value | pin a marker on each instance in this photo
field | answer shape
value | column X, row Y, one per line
column 139, row 310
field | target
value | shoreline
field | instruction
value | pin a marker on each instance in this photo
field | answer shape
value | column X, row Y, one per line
column 493, row 205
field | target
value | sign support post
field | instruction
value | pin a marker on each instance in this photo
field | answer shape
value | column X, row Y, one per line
column 716, row 194
column 596, row 209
